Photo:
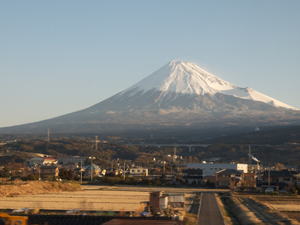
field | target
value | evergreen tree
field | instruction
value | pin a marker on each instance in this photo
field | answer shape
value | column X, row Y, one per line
column 5, row 171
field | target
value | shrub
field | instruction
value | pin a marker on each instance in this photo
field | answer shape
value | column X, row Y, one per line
column 293, row 190
column 32, row 177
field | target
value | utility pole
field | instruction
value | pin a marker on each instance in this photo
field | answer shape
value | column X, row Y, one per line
column 174, row 159
column 124, row 170
column 92, row 167
column 249, row 160
column 81, row 173
column 39, row 172
column 269, row 177
column 96, row 143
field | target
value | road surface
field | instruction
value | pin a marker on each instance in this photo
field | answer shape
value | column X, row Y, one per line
column 209, row 213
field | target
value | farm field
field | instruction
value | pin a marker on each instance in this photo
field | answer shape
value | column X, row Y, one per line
column 92, row 198
column 82, row 200
column 278, row 206
column 287, row 205
column 281, row 203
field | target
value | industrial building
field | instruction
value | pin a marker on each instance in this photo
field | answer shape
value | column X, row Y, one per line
column 210, row 169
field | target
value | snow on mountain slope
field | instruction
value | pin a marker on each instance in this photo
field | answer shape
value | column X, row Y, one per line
column 188, row 78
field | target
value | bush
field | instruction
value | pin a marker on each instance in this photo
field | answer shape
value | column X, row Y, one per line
column 293, row 190
column 5, row 171
column 209, row 183
column 32, row 177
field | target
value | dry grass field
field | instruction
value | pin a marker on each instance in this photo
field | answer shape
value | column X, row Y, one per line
column 286, row 205
column 278, row 207
column 35, row 187
column 83, row 200
column 281, row 203
column 95, row 198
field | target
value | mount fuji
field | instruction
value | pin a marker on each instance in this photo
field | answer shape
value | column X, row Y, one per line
column 180, row 94
column 179, row 78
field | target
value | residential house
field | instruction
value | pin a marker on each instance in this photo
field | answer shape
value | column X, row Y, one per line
column 49, row 161
column 292, row 167
column 71, row 165
column 138, row 171
column 39, row 161
column 35, row 161
column 280, row 178
column 103, row 172
column 112, row 172
column 193, row 176
column 49, row 171
column 96, row 170
column 229, row 178
column 249, row 180
column 16, row 168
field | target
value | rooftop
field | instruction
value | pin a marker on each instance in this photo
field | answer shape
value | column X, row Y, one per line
column 229, row 172
column 95, row 167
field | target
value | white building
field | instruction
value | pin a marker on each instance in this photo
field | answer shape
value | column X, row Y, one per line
column 210, row 169
column 42, row 161
column 138, row 171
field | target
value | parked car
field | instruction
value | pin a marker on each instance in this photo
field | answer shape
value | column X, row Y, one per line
column 269, row 189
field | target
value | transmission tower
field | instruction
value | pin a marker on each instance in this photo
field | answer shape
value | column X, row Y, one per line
column 48, row 139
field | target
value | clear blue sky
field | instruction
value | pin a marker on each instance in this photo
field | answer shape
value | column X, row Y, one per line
column 57, row 57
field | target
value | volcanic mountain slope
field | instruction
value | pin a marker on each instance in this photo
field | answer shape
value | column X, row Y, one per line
column 178, row 94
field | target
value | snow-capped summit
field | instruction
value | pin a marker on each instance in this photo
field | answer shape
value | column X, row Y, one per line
column 187, row 78
column 182, row 77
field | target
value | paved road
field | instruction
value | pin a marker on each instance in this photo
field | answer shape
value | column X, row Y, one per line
column 209, row 213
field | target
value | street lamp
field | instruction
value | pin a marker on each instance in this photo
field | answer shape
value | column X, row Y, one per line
column 91, row 158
